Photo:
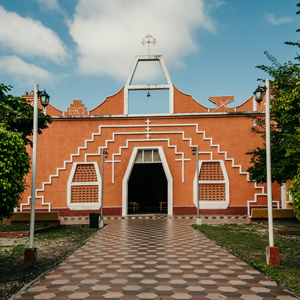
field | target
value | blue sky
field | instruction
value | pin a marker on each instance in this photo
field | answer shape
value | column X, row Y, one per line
column 83, row 49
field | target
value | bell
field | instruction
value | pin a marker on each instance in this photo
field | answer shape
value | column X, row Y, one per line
column 148, row 94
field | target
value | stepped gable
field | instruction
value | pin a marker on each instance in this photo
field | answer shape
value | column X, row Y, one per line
column 77, row 108
column 221, row 103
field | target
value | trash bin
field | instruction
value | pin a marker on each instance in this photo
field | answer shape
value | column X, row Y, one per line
column 94, row 220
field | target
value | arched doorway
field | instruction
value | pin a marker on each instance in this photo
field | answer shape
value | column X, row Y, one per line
column 147, row 189
column 147, row 184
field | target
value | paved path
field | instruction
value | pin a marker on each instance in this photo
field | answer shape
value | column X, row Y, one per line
column 154, row 259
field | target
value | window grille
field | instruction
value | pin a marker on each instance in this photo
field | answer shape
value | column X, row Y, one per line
column 84, row 185
column 84, row 194
column 147, row 156
column 212, row 185
column 85, row 173
column 211, row 171
column 212, row 192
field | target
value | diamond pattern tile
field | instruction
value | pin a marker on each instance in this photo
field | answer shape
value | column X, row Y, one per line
column 154, row 259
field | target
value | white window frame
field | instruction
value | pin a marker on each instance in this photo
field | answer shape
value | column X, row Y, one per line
column 212, row 204
column 83, row 206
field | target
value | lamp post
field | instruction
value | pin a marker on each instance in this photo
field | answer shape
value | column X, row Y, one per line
column 196, row 151
column 104, row 153
column 272, row 253
column 30, row 253
column 44, row 97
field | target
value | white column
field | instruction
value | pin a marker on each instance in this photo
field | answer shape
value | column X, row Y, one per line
column 269, row 175
column 33, row 168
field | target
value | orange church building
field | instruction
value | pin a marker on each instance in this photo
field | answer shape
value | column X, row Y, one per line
column 150, row 167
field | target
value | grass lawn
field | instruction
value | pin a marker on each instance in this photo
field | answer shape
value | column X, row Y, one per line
column 249, row 242
column 280, row 223
column 52, row 247
column 6, row 227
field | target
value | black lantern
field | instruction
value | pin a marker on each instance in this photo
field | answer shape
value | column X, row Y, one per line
column 259, row 93
column 105, row 154
column 44, row 98
column 148, row 94
column 194, row 151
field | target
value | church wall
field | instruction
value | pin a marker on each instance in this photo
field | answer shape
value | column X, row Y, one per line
column 221, row 137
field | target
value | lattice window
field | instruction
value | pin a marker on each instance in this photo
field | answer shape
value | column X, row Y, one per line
column 211, row 171
column 212, row 192
column 84, row 194
column 212, row 183
column 84, row 186
column 147, row 156
column 85, row 173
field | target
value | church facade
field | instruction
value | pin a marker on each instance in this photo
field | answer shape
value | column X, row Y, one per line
column 150, row 167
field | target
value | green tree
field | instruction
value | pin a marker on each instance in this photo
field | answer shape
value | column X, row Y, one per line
column 295, row 192
column 285, row 127
column 16, row 115
column 16, row 127
column 14, row 165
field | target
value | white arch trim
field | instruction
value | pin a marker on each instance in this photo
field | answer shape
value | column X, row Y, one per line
column 128, row 173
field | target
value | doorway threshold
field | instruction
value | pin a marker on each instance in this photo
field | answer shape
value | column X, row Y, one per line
column 145, row 216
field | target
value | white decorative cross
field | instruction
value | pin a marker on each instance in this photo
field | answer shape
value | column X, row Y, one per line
column 148, row 129
column 182, row 159
column 113, row 161
column 149, row 39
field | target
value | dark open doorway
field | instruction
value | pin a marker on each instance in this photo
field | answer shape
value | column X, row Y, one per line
column 147, row 189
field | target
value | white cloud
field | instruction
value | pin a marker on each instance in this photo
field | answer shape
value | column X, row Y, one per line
column 23, row 73
column 272, row 19
column 108, row 33
column 48, row 5
column 29, row 38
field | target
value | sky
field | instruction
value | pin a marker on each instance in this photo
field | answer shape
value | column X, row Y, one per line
column 83, row 49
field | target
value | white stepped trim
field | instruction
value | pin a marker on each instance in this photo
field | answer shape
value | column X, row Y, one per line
column 143, row 133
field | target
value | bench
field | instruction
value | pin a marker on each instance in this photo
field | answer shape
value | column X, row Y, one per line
column 22, row 218
column 133, row 206
column 262, row 213
column 163, row 206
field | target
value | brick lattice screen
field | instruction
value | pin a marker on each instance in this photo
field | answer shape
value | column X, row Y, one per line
column 85, row 173
column 211, row 171
column 212, row 192
column 82, row 194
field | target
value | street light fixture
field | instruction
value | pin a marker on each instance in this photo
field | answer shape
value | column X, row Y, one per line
column 196, row 151
column 259, row 93
column 104, row 154
column 30, row 253
column 272, row 253
column 44, row 98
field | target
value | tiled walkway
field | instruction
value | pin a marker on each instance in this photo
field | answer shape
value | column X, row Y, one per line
column 154, row 259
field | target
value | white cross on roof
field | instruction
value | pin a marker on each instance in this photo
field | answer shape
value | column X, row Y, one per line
column 149, row 39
